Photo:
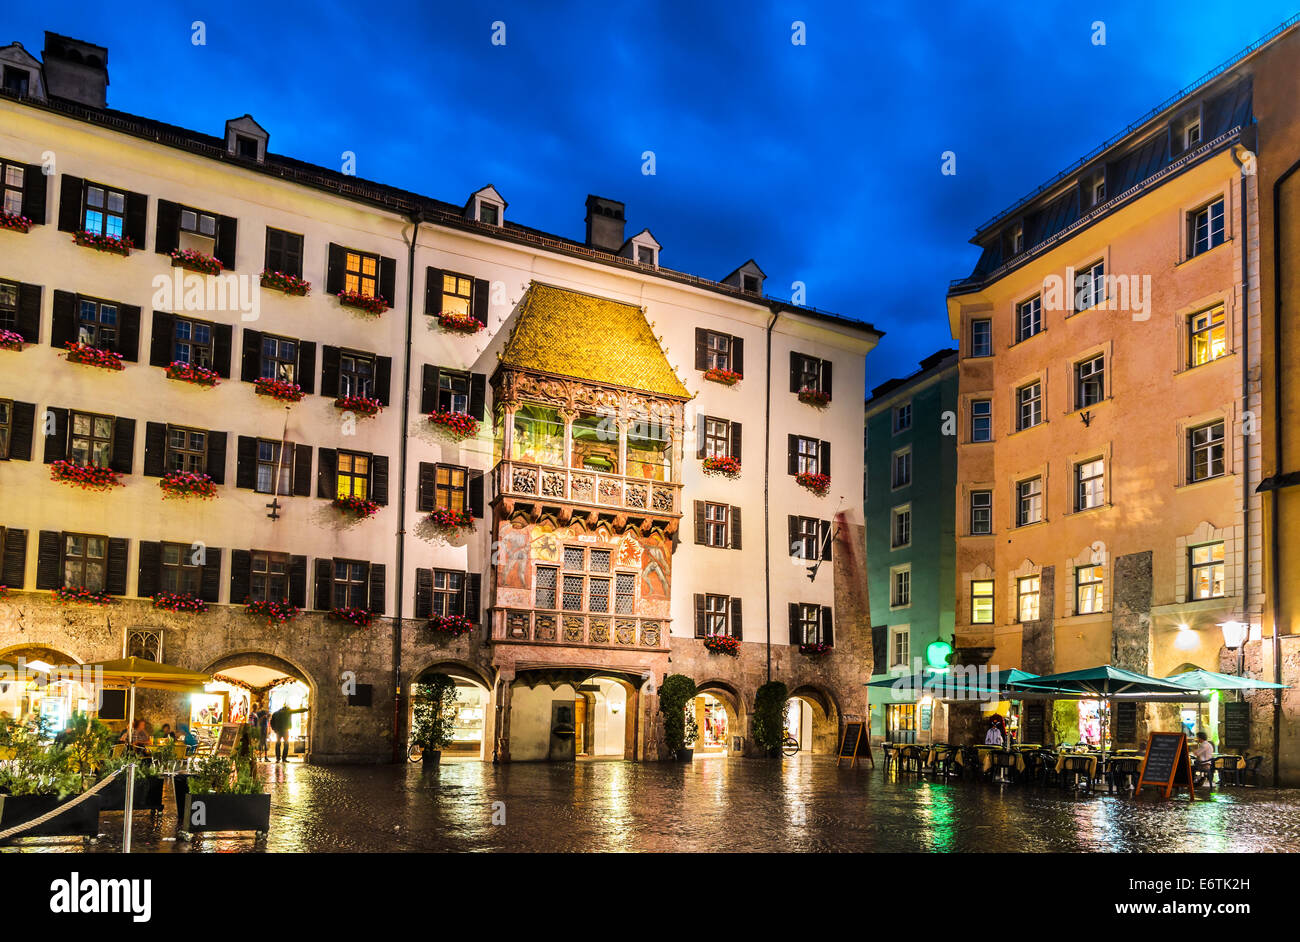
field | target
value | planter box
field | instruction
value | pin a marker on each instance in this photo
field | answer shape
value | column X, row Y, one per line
column 81, row 821
column 148, row 795
column 227, row 813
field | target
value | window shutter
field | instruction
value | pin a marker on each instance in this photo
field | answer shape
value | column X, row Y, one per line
column 794, row 371
column 70, row 189
column 14, row 574
column 49, row 559
column 424, row 501
column 383, row 379
column 210, row 578
column 700, row 534
column 324, row 584
column 155, row 449
column 128, row 332
column 148, row 578
column 824, row 457
column 423, row 593
column 334, row 273
column 305, row 375
column 241, row 572
column 737, row 625
column 21, row 431
column 250, row 363
column 476, row 494
column 167, row 228
column 160, row 339
column 377, row 588
column 222, row 338
column 227, row 228
column 428, row 389
column 735, row 440
column 245, row 468
column 701, row 629
column 794, row 623
column 824, row 544
column 473, row 591
column 828, row 629
column 433, row 291
column 327, row 473
column 701, row 435
column 123, row 445
column 738, row 355
column 792, row 528
column 879, row 649
column 329, row 372
column 302, row 471
column 115, row 580
column 56, row 444
column 137, row 210
column 701, row 349
column 28, row 321
column 35, row 188
column 379, row 479
column 735, row 527
column 63, row 325
column 478, row 395
column 298, row 581
column 478, row 308
column 792, row 454
column 216, row 467
column 826, row 378
column 388, row 280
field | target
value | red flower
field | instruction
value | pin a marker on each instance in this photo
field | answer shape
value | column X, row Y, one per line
column 357, row 616
column 454, row 625
column 724, row 376
column 451, row 520
column 814, row 648
column 280, row 389
column 86, row 477
column 189, row 373
column 76, row 595
column 180, row 602
column 359, row 404
column 814, row 397
column 722, row 464
column 9, row 340
column 357, row 506
column 184, row 484
column 723, row 644
column 289, row 284
column 196, row 261
column 276, row 612
column 370, row 303
column 93, row 356
column 16, row 223
column 459, row 424
column 819, row 484
column 459, row 323
column 105, row 243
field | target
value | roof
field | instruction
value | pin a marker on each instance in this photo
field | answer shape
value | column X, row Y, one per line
column 937, row 362
column 585, row 337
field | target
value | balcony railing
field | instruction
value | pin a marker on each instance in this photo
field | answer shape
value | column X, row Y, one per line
column 580, row 629
column 593, row 488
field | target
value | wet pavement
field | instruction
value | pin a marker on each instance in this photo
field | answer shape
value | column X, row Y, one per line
column 801, row 804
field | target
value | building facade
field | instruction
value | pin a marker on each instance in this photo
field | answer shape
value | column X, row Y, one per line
column 450, row 441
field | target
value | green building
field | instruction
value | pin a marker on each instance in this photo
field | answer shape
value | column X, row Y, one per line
column 911, row 477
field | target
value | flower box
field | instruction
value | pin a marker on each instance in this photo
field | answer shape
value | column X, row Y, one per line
column 725, row 377
column 454, row 625
column 289, row 284
column 274, row 612
column 11, row 340
column 359, row 404
column 722, row 644
column 819, row 484
column 180, row 602
column 104, row 243
column 196, row 261
column 725, row 465
column 184, row 484
column 451, row 521
column 78, row 821
column 14, row 223
column 359, row 507
column 456, row 424
column 86, row 477
column 814, row 397
column 75, row 595
column 146, row 796
column 93, row 356
column 280, row 389
column 219, row 811
column 189, row 373
column 357, row 616
column 814, row 649
column 370, row 303
column 459, row 323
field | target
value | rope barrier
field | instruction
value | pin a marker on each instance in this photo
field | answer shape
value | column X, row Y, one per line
column 27, row 825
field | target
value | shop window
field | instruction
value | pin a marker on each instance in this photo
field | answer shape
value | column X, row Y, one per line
column 900, row 722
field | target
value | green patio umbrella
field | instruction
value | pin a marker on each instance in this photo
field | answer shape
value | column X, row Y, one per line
column 1209, row 680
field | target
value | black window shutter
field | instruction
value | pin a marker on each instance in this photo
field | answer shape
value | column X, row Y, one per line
column 701, row 629
column 828, row 628
column 21, row 430
column 70, row 189
column 795, row 637
column 216, row 468
column 160, row 339
column 792, row 454
column 738, row 355
column 428, row 389
column 329, row 371
column 735, row 527
column 476, row 494
column 701, row 349
column 49, row 559
column 115, row 580
column 137, row 209
column 473, row 592
column 478, row 395
column 150, row 569
column 327, row 473
column 210, row 578
column 334, row 273
column 128, row 332
column 241, row 571
column 302, row 471
column 377, row 588
column 324, row 584
column 824, row 457
column 388, row 280
column 432, row 292
column 735, row 440
column 478, row 308
column 423, row 593
column 56, row 444
column 250, row 366
column 794, row 371
column 14, row 574
column 222, row 340
column 701, row 436
column 123, row 445
column 298, row 581
column 245, row 468
column 424, row 500
column 167, row 228
column 63, row 325
column 792, row 529
column 879, row 649
column 35, row 188
column 737, row 621
column 28, row 320
column 227, row 229
column 155, row 449
column 824, row 543
column 306, row 372
column 379, row 479
column 826, row 377
column 700, row 533
column 383, row 379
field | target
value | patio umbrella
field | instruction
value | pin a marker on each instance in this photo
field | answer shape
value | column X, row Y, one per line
column 1209, row 680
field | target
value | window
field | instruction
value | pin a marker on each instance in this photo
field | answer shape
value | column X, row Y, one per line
column 981, row 512
column 84, row 561
column 12, row 182
column 808, row 373
column 1029, row 406
column 97, row 323
column 8, row 305
column 1028, row 592
column 457, row 294
column 1089, row 484
column 717, row 350
column 544, row 587
column 269, row 464
column 353, row 475
column 356, row 374
column 198, row 223
column 104, row 211
column 187, row 449
column 283, row 251
column 901, row 475
column 809, row 624
column 16, row 81
column 1090, row 286
column 1013, row 240
column 1090, row 381
column 1029, row 318
column 1206, row 568
column 6, row 426
column 584, row 583
column 449, row 488
column 1205, row 228
column 981, row 337
column 361, row 273
column 246, row 147
column 903, row 417
column 192, row 342
column 1095, row 190
column 90, row 439
column 279, row 358
column 717, row 438
column 1206, row 446
column 900, row 587
column 1029, row 502
column 1191, row 133
column 808, row 455
column 981, row 601
column 805, row 540
column 715, row 615
column 900, row 647
column 269, row 577
column 179, row 571
column 981, row 420
column 645, row 255
column 625, row 593
column 351, row 584
column 1207, row 336
column 489, row 213
column 901, row 528
column 453, row 392
column 716, row 524
column 1089, row 597
column 448, row 592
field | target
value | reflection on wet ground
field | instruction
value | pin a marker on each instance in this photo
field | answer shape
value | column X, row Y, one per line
column 800, row 804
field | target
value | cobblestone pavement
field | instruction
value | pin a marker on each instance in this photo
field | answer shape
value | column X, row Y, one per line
column 802, row 804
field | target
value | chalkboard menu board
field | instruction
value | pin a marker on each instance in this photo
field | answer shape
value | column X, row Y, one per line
column 226, row 739
column 1236, row 726
column 850, row 742
column 927, row 717
column 1033, row 727
column 1126, row 723
column 1166, row 764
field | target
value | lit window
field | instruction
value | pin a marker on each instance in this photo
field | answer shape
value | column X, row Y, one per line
column 457, row 294
column 1088, row 589
column 361, row 273
column 353, row 475
column 1028, row 593
column 1206, row 571
column 981, row 601
column 1207, row 336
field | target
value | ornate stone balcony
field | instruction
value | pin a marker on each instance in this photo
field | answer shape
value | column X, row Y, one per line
column 578, row 629
column 591, row 490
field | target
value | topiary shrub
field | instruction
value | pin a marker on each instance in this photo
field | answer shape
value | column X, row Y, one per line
column 676, row 691
column 433, row 723
column 769, row 716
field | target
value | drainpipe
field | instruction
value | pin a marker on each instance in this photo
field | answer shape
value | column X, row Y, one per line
column 767, row 516
column 1242, row 156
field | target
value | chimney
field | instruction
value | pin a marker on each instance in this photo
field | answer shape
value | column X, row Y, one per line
column 75, row 70
column 605, row 224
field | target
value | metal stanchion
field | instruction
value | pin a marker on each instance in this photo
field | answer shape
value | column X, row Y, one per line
column 130, row 775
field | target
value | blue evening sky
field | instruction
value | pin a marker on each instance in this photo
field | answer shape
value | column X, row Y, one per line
column 822, row 161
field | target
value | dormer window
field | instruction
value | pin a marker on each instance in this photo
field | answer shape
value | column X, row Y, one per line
column 1095, row 190
column 1013, row 240
column 16, row 81
column 246, row 138
column 489, row 213
column 1192, row 134
column 485, row 206
column 246, row 146
column 642, row 248
column 645, row 255
column 750, row 284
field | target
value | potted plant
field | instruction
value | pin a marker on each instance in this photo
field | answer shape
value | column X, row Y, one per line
column 456, row 425
column 116, row 245
column 279, row 389
column 193, row 374
column 37, row 779
column 459, row 323
column 719, row 374
column 359, row 507
column 224, row 794
column 148, row 792
column 11, row 340
column 722, row 644
column 275, row 611
column 433, row 719
column 724, row 465
column 180, row 602
column 93, row 356
column 769, row 716
column 370, row 303
column 88, row 477
column 79, row 595
column 196, row 261
column 15, row 222
column 180, row 485
column 289, row 284
column 819, row 484
column 675, row 693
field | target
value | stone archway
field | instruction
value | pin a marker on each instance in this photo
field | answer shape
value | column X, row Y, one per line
column 734, row 704
column 528, row 727
column 280, row 665
column 825, row 718
column 473, row 677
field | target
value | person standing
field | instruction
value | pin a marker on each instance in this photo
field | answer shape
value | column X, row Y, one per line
column 281, row 721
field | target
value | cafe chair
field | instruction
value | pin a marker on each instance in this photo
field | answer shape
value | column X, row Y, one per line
column 1005, row 767
column 1074, row 773
column 1251, row 770
column 887, row 754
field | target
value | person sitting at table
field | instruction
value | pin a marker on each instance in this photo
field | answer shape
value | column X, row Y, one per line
column 138, row 737
column 1204, row 756
column 186, row 735
column 166, row 733
column 994, row 736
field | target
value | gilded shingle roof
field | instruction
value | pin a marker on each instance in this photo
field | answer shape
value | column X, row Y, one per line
column 569, row 333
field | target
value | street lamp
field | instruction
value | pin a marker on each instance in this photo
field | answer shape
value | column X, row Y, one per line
column 1234, row 634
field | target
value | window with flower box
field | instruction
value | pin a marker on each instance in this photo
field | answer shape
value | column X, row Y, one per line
column 284, row 252
column 353, row 475
column 85, row 561
column 90, row 439
column 81, row 560
column 442, row 592
column 455, row 294
column 718, row 438
column 190, row 229
column 97, row 323
column 13, row 178
column 86, row 438
column 103, row 210
column 718, row 616
column 187, row 449
column 177, row 339
column 361, row 273
column 279, row 358
column 269, row 577
column 180, row 568
column 8, row 305
column 169, row 448
column 810, row 624
column 810, row 373
column 192, row 342
column 270, row 356
column 807, row 455
column 263, row 576
column 718, row 351
column 13, row 557
column 448, row 390
column 180, row 572
column 350, row 583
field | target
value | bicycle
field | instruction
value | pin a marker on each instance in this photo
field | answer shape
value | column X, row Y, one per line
column 789, row 745
column 414, row 752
